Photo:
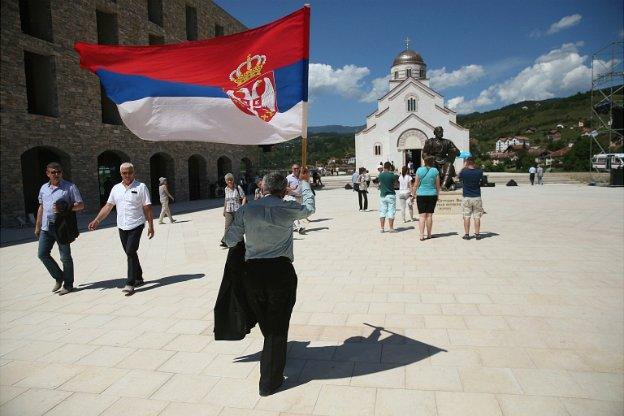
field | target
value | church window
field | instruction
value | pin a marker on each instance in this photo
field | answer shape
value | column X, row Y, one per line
column 377, row 149
column 411, row 104
column 396, row 74
column 409, row 73
column 422, row 73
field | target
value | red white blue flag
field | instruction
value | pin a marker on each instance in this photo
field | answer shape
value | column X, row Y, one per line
column 246, row 88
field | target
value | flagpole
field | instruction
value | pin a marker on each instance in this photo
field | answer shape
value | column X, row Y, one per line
column 304, row 115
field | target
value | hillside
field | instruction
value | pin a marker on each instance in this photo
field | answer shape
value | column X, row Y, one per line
column 543, row 115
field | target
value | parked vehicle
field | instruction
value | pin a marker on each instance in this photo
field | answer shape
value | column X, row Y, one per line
column 606, row 161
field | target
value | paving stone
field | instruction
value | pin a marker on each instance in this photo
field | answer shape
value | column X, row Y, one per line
column 138, row 383
column 33, row 402
column 94, row 379
column 83, row 404
column 396, row 402
column 467, row 404
column 484, row 334
column 345, row 400
column 190, row 388
column 516, row 405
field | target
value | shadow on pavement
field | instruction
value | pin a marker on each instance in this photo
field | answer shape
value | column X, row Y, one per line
column 488, row 234
column 401, row 229
column 149, row 284
column 307, row 230
column 441, row 235
column 321, row 219
column 356, row 356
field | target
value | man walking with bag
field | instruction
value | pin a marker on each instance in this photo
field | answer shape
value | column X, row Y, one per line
column 52, row 195
column 270, row 280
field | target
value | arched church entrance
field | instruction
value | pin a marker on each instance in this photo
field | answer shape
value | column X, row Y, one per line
column 410, row 144
column 108, row 172
column 198, row 182
column 34, row 162
column 161, row 165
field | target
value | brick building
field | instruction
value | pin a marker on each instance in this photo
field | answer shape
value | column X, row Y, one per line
column 53, row 110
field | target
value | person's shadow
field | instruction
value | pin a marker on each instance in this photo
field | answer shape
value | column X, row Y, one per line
column 149, row 284
column 356, row 356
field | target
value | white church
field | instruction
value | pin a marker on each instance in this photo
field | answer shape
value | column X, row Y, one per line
column 405, row 118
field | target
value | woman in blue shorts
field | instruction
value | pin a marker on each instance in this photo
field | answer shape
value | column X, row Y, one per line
column 426, row 189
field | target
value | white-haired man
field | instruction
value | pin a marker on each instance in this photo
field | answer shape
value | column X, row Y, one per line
column 132, row 200
column 270, row 280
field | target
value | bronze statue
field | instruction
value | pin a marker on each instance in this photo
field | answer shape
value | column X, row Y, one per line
column 444, row 153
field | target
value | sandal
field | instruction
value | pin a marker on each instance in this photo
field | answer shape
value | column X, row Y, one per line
column 477, row 236
column 466, row 237
column 422, row 238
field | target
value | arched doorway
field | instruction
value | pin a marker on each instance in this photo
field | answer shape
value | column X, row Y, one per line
column 224, row 165
column 34, row 162
column 198, row 183
column 161, row 165
column 108, row 163
column 411, row 143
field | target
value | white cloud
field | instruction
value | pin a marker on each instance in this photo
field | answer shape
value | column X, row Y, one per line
column 380, row 87
column 347, row 82
column 559, row 72
column 564, row 23
column 440, row 79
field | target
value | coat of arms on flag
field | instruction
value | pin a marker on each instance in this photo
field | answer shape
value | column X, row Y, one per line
column 246, row 88
column 256, row 91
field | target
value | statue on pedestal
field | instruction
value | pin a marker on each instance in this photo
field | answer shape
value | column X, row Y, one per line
column 444, row 153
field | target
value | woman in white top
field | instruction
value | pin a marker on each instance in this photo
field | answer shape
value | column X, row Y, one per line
column 404, row 194
column 234, row 198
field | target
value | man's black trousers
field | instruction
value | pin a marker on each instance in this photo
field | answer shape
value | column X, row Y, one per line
column 130, row 240
column 271, row 288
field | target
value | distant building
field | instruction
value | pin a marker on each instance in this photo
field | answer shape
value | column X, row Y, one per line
column 405, row 118
column 525, row 108
column 554, row 135
column 53, row 110
column 504, row 142
column 531, row 130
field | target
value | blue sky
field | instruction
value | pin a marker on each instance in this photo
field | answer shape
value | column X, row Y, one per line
column 480, row 55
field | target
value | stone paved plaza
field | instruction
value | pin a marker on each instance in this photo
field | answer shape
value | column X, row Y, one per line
column 526, row 322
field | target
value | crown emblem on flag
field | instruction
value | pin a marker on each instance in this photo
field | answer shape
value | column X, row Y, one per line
column 248, row 69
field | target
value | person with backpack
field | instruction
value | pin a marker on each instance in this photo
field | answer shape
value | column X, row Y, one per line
column 233, row 199
column 426, row 190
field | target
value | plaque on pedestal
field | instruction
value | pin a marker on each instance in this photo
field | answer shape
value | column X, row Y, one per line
column 449, row 203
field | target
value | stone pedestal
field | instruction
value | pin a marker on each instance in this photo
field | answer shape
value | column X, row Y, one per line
column 449, row 203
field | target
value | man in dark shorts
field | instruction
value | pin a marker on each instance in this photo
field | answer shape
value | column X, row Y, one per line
column 472, row 205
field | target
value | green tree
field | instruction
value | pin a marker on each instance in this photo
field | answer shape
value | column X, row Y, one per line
column 577, row 159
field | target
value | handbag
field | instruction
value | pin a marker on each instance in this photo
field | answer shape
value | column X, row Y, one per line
column 356, row 186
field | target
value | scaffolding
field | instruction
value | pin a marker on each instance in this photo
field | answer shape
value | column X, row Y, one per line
column 607, row 97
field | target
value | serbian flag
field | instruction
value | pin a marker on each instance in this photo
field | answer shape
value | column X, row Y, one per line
column 246, row 88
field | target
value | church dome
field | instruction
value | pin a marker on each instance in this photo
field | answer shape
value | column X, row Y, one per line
column 408, row 56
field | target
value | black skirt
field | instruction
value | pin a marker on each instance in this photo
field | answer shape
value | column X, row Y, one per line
column 426, row 203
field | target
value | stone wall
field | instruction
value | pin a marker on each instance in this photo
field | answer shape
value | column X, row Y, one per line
column 78, row 133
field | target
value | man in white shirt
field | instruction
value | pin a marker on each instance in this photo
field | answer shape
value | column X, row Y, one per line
column 294, row 193
column 532, row 171
column 132, row 200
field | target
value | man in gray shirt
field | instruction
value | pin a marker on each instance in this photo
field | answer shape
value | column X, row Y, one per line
column 270, row 280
